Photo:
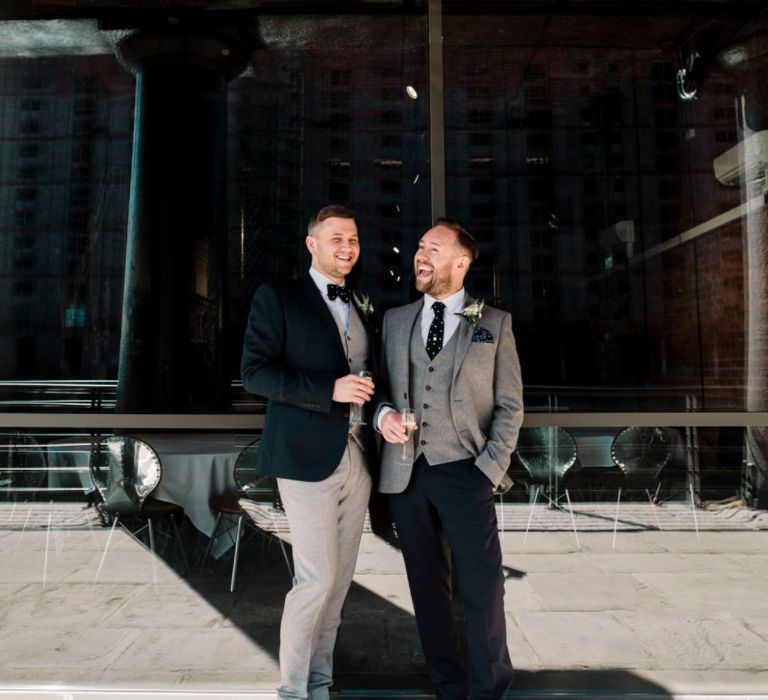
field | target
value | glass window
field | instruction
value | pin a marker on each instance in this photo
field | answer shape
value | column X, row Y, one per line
column 623, row 224
column 365, row 147
column 594, row 146
column 74, row 217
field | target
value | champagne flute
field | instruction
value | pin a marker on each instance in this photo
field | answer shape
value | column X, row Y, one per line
column 408, row 421
column 356, row 409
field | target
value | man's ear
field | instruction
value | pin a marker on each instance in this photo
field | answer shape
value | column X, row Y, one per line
column 310, row 242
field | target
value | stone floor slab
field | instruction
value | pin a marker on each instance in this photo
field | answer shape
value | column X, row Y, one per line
column 658, row 562
column 678, row 641
column 752, row 562
column 385, row 593
column 560, row 542
column 704, row 594
column 599, row 592
column 577, row 619
column 520, row 651
column 582, row 640
column 207, row 649
column 94, row 539
column 166, row 607
column 136, row 565
column 714, row 542
column 49, row 651
column 605, row 543
column 32, row 566
column 519, row 596
column 550, row 562
column 65, row 606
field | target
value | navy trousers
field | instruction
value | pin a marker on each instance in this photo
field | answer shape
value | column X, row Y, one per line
column 448, row 509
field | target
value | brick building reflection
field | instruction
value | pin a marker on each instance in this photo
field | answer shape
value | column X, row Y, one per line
column 543, row 157
column 65, row 159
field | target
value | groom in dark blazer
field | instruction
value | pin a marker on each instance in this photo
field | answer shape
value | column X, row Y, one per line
column 453, row 361
column 306, row 342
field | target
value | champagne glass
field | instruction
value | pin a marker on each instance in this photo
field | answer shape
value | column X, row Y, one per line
column 356, row 409
column 408, row 421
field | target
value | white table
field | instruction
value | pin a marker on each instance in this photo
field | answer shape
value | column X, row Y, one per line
column 195, row 467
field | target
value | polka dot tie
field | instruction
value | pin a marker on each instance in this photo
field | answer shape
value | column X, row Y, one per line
column 436, row 329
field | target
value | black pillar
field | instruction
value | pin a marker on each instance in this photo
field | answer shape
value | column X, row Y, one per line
column 173, row 347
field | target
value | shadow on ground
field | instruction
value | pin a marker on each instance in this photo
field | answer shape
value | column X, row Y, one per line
column 378, row 651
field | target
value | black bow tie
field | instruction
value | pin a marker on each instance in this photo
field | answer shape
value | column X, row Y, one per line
column 335, row 290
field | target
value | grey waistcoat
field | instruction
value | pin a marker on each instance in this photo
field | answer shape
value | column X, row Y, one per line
column 442, row 441
column 355, row 342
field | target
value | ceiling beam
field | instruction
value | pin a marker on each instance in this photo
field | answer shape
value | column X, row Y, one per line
column 123, row 12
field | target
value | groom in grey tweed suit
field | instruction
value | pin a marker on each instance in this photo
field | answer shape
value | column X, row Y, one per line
column 456, row 365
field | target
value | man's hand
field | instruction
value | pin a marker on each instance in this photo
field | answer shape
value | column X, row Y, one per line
column 391, row 428
column 353, row 389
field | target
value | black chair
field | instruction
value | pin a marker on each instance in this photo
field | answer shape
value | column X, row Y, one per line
column 547, row 454
column 125, row 471
column 641, row 454
column 247, row 507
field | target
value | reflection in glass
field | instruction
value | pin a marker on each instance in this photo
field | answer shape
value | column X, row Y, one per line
column 590, row 186
column 318, row 119
column 65, row 141
column 23, row 468
column 546, row 452
column 125, row 471
column 641, row 453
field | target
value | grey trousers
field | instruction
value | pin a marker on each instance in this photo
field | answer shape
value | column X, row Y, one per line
column 326, row 522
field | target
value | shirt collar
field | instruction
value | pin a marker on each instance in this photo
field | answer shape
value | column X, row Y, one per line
column 453, row 303
column 322, row 282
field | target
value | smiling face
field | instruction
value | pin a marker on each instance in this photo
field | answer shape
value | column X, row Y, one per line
column 335, row 247
column 440, row 263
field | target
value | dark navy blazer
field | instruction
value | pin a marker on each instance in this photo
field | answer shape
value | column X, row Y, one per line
column 292, row 356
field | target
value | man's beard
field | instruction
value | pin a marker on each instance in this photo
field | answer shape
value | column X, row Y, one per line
column 438, row 284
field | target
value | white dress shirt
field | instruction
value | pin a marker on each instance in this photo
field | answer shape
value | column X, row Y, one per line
column 337, row 306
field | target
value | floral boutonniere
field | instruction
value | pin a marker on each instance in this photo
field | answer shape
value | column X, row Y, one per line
column 473, row 312
column 363, row 304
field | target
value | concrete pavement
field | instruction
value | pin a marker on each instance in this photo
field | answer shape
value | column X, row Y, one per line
column 637, row 612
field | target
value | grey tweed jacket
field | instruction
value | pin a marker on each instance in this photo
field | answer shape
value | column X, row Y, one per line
column 486, row 395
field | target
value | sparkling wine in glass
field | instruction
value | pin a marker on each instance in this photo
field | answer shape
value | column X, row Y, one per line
column 356, row 409
column 408, row 421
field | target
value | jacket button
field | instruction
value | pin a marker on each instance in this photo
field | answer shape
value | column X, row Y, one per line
column 424, row 424
column 428, row 387
column 423, row 442
column 426, row 405
column 431, row 369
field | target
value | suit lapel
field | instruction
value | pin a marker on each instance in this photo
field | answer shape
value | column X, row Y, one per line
column 464, row 340
column 321, row 309
column 401, row 340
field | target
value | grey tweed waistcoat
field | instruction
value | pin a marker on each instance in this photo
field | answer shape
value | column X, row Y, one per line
column 431, row 396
